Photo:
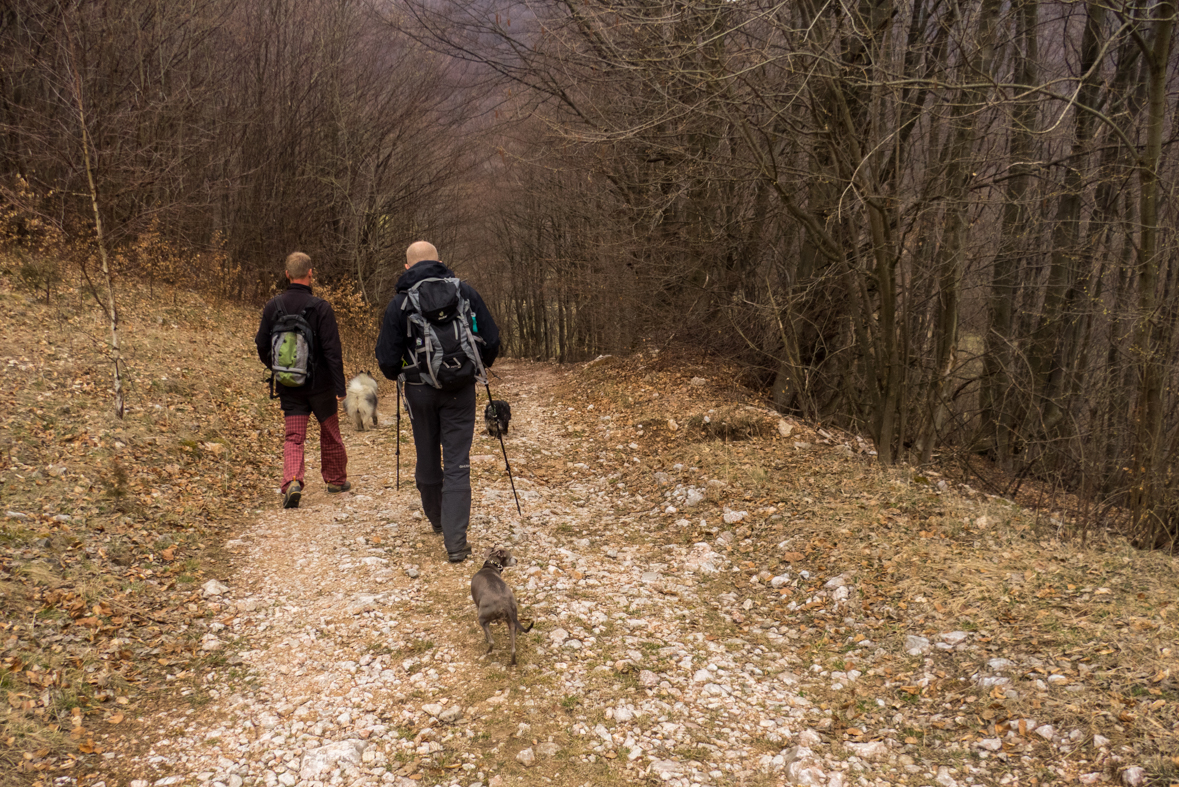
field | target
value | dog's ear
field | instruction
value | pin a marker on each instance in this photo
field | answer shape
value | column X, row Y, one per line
column 490, row 552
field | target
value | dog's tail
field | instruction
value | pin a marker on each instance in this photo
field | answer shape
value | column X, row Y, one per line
column 524, row 628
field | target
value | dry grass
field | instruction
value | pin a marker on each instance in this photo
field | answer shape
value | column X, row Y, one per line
column 1092, row 626
column 927, row 556
column 122, row 517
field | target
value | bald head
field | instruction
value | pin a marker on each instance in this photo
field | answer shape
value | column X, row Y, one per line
column 419, row 251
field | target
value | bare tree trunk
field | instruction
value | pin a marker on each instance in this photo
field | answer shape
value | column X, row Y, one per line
column 1153, row 334
column 1056, row 330
column 952, row 259
column 997, row 395
column 111, row 306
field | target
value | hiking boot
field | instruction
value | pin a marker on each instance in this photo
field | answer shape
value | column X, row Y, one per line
column 460, row 556
column 456, row 516
column 335, row 489
column 432, row 505
column 290, row 498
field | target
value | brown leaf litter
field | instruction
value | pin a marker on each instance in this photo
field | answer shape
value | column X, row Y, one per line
column 1044, row 659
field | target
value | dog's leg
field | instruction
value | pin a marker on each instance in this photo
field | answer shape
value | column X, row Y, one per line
column 513, row 626
column 487, row 634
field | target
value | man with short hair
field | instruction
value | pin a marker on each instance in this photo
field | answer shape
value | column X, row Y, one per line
column 320, row 395
column 443, row 420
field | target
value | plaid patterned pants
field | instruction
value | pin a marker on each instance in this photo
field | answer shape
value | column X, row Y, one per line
column 333, row 457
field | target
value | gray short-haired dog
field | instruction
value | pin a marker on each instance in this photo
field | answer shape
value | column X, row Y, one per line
column 494, row 598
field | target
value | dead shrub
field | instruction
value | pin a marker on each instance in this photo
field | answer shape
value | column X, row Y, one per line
column 729, row 424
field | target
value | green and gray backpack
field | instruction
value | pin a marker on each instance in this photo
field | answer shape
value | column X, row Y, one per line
column 292, row 349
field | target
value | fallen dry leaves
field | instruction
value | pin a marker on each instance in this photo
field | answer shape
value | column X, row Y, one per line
column 109, row 527
column 114, row 526
column 1090, row 629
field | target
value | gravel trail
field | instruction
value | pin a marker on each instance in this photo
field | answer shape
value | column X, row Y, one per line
column 344, row 650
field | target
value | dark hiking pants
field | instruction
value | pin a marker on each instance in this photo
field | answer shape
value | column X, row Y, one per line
column 443, row 427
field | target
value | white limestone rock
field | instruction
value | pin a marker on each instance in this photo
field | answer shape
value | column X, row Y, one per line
column 872, row 750
column 323, row 760
column 214, row 588
column 915, row 645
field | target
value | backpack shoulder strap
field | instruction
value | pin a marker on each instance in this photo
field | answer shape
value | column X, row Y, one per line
column 406, row 308
column 410, row 304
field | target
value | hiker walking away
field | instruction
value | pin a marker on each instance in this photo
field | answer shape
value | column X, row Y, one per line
column 431, row 331
column 298, row 339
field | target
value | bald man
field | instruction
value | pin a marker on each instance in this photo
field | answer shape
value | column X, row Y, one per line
column 443, row 420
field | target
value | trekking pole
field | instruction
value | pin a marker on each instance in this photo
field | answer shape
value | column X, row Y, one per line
column 398, row 451
column 503, row 447
column 483, row 376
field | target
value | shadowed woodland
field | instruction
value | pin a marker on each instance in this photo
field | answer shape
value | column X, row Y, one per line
column 949, row 226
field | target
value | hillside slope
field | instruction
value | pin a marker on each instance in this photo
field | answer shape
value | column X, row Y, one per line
column 109, row 526
column 720, row 597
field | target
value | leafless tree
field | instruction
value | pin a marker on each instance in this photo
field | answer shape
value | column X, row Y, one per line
column 914, row 217
column 944, row 224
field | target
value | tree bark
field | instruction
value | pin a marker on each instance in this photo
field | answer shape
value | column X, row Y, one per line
column 111, row 306
column 1153, row 332
column 998, row 397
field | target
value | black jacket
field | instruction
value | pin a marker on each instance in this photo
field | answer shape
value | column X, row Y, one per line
column 392, row 347
column 329, row 359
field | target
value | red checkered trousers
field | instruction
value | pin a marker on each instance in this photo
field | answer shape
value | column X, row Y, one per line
column 333, row 457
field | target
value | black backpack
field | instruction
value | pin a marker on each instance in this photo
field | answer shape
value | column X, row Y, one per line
column 440, row 328
column 292, row 349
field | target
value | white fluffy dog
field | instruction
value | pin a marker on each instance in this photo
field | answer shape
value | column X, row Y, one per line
column 361, row 402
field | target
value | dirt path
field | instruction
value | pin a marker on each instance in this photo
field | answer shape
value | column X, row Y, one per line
column 350, row 653
column 361, row 662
